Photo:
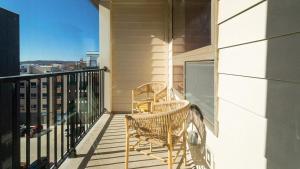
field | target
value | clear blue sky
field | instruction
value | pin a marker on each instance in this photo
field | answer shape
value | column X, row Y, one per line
column 55, row 29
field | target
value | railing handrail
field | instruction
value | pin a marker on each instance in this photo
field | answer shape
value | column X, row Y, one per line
column 45, row 75
column 81, row 104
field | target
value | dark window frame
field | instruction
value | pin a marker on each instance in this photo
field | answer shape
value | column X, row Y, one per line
column 44, row 84
column 33, row 106
column 22, row 84
column 33, row 95
column 33, row 85
column 44, row 95
column 22, row 95
column 44, row 106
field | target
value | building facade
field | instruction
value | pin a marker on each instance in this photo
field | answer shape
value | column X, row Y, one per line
column 34, row 104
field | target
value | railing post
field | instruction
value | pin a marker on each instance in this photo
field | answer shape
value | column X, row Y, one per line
column 62, row 119
column 48, row 119
column 16, row 124
column 79, row 102
column 68, row 112
column 28, row 122
column 72, row 113
column 39, row 119
column 102, row 88
column 54, row 112
column 88, row 100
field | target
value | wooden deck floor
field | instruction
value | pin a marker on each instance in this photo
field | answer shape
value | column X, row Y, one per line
column 109, row 152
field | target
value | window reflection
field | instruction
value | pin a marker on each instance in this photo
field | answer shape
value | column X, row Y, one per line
column 199, row 86
column 191, row 25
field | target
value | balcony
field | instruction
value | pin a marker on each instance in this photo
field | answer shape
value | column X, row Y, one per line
column 247, row 51
column 71, row 129
column 47, row 136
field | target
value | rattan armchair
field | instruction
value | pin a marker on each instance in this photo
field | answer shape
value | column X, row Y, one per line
column 145, row 95
column 164, row 127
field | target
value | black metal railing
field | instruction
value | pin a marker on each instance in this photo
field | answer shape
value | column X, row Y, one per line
column 54, row 113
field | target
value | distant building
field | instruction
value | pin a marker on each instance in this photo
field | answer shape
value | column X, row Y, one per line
column 44, row 95
column 81, row 64
column 92, row 59
column 25, row 68
column 40, row 69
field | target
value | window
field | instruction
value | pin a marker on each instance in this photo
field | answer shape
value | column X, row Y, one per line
column 194, row 30
column 33, row 95
column 58, row 107
column 33, row 106
column 199, row 86
column 22, row 84
column 59, row 95
column 191, row 25
column 44, row 106
column 33, row 85
column 44, row 95
column 22, row 108
column 59, row 84
column 22, row 96
column 44, row 84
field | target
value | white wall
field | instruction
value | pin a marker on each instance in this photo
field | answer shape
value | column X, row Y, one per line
column 259, row 75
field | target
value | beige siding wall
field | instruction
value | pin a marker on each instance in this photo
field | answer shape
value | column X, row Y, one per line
column 259, row 75
column 139, row 47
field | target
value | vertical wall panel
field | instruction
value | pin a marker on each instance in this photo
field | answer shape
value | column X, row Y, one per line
column 259, row 81
column 139, row 47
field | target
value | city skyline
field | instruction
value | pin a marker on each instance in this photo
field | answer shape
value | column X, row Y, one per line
column 55, row 30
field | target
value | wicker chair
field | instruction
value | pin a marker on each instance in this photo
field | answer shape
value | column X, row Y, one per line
column 145, row 95
column 164, row 127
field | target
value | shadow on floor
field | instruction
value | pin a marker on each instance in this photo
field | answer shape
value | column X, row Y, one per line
column 108, row 151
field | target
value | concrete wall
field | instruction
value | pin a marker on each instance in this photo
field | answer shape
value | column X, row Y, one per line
column 258, row 85
column 139, row 47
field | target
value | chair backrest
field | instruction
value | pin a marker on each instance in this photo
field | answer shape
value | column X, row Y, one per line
column 165, row 116
column 161, row 96
column 155, row 90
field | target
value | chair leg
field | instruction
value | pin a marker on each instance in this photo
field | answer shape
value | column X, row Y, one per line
column 127, row 145
column 170, row 157
column 184, row 148
column 170, row 149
